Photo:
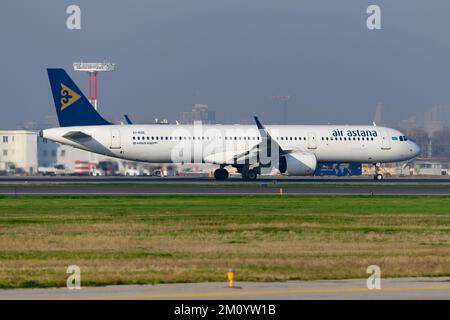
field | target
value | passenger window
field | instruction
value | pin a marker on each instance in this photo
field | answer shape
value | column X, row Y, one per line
column 401, row 138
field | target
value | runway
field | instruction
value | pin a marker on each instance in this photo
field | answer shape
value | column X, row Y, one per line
column 40, row 190
column 122, row 186
column 232, row 179
column 399, row 289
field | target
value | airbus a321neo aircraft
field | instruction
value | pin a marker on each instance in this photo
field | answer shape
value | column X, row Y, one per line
column 256, row 149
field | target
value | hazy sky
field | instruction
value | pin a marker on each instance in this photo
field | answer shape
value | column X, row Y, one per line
column 233, row 55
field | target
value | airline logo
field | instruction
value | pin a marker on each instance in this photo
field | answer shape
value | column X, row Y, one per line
column 354, row 133
column 68, row 96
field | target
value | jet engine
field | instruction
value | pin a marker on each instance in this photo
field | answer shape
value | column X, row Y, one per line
column 298, row 163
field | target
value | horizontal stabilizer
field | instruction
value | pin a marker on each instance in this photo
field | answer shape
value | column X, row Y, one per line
column 77, row 136
column 127, row 119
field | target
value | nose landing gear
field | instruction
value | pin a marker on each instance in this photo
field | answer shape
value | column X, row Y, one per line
column 377, row 176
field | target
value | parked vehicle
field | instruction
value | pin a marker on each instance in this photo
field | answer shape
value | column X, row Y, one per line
column 157, row 173
column 57, row 170
column 97, row 172
column 132, row 172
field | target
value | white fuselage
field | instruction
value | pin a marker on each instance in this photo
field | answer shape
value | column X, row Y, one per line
column 220, row 143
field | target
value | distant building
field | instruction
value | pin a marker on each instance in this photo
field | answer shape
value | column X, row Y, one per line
column 431, row 120
column 70, row 157
column 47, row 152
column 18, row 151
column 200, row 112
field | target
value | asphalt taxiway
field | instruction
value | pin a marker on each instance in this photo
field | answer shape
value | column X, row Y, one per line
column 232, row 179
column 355, row 289
column 117, row 186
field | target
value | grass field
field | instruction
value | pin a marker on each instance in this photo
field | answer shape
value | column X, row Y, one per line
column 126, row 240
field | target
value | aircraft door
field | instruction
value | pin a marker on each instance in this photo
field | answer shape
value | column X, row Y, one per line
column 312, row 143
column 115, row 139
column 385, row 140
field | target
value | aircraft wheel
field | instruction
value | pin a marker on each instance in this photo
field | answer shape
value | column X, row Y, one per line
column 378, row 177
column 249, row 175
column 252, row 175
column 221, row 174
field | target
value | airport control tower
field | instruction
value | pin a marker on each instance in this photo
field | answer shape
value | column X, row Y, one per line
column 92, row 68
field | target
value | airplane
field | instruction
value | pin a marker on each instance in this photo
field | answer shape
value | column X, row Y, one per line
column 253, row 150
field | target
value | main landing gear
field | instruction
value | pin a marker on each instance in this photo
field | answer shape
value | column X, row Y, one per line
column 221, row 174
column 249, row 174
column 377, row 176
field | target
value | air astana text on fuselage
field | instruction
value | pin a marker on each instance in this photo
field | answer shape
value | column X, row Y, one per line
column 354, row 133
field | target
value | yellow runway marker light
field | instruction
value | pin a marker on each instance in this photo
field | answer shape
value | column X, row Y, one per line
column 230, row 276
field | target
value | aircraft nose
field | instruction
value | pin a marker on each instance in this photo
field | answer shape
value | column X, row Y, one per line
column 415, row 149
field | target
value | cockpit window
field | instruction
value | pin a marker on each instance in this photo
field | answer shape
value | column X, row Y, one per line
column 401, row 138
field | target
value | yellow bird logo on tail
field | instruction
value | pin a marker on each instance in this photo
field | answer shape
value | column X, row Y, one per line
column 68, row 96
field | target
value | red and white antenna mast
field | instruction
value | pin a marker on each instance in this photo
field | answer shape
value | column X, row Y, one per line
column 92, row 68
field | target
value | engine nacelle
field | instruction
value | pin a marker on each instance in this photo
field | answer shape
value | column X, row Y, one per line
column 298, row 163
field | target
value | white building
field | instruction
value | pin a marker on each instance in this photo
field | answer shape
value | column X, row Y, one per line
column 18, row 150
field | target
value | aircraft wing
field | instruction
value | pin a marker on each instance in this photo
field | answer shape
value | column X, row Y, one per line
column 77, row 136
column 266, row 139
column 258, row 155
